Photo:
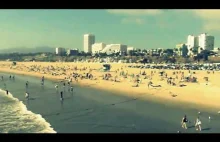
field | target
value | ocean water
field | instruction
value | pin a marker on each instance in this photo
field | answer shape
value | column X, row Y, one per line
column 15, row 118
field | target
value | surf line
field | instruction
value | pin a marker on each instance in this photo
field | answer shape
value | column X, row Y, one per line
column 38, row 115
column 95, row 108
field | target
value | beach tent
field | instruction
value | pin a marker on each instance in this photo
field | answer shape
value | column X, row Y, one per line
column 106, row 67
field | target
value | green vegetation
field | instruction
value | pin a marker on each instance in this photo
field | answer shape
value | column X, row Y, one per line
column 133, row 56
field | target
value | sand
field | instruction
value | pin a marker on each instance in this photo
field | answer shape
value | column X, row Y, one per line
column 200, row 93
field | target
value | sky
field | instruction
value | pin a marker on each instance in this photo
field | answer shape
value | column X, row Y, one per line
column 144, row 29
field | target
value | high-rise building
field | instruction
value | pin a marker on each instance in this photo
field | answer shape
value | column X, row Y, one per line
column 192, row 41
column 206, row 42
column 196, row 44
column 88, row 41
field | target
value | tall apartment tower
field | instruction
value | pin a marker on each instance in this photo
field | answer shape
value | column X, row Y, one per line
column 88, row 41
column 206, row 42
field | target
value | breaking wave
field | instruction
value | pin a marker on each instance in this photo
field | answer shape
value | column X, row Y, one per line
column 15, row 118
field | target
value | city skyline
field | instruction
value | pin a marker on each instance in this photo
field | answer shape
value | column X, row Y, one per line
column 137, row 28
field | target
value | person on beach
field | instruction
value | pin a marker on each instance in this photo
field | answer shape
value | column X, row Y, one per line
column 64, row 85
column 149, row 84
column 7, row 92
column 42, row 83
column 27, row 95
column 198, row 124
column 56, row 86
column 71, row 88
column 61, row 95
column 184, row 121
column 26, row 84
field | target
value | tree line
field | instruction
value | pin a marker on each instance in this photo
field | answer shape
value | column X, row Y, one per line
column 135, row 56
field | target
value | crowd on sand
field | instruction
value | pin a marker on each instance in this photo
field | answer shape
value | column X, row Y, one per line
column 74, row 73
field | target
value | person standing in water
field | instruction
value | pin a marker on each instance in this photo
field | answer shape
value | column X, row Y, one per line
column 56, row 86
column 10, row 77
column 68, row 85
column 2, row 78
column 198, row 124
column 26, row 84
column 13, row 77
column 42, row 81
column 71, row 89
column 61, row 95
column 64, row 85
column 184, row 121
column 27, row 95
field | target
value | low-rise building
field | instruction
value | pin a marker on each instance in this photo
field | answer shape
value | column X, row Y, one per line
column 60, row 51
column 115, row 48
column 130, row 50
column 72, row 52
column 155, row 52
column 181, row 50
column 98, row 47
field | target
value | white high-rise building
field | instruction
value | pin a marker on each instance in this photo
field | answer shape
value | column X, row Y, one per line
column 88, row 41
column 206, row 42
column 98, row 47
column 192, row 41
column 199, row 43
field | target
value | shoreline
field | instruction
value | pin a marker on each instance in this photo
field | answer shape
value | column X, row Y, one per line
column 24, row 111
column 91, row 111
column 154, row 95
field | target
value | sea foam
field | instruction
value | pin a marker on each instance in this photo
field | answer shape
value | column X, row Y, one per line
column 16, row 118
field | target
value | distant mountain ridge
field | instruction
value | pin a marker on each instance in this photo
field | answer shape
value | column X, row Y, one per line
column 28, row 50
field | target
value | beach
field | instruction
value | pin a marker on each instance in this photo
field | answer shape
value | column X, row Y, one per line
column 107, row 106
column 88, row 110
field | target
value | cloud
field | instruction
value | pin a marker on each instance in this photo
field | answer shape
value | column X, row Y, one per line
column 137, row 21
column 210, row 17
column 135, row 16
column 208, row 14
column 135, row 12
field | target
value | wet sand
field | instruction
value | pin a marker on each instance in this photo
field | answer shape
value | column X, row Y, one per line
column 89, row 110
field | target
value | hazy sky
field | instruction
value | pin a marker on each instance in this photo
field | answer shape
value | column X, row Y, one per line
column 137, row 28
